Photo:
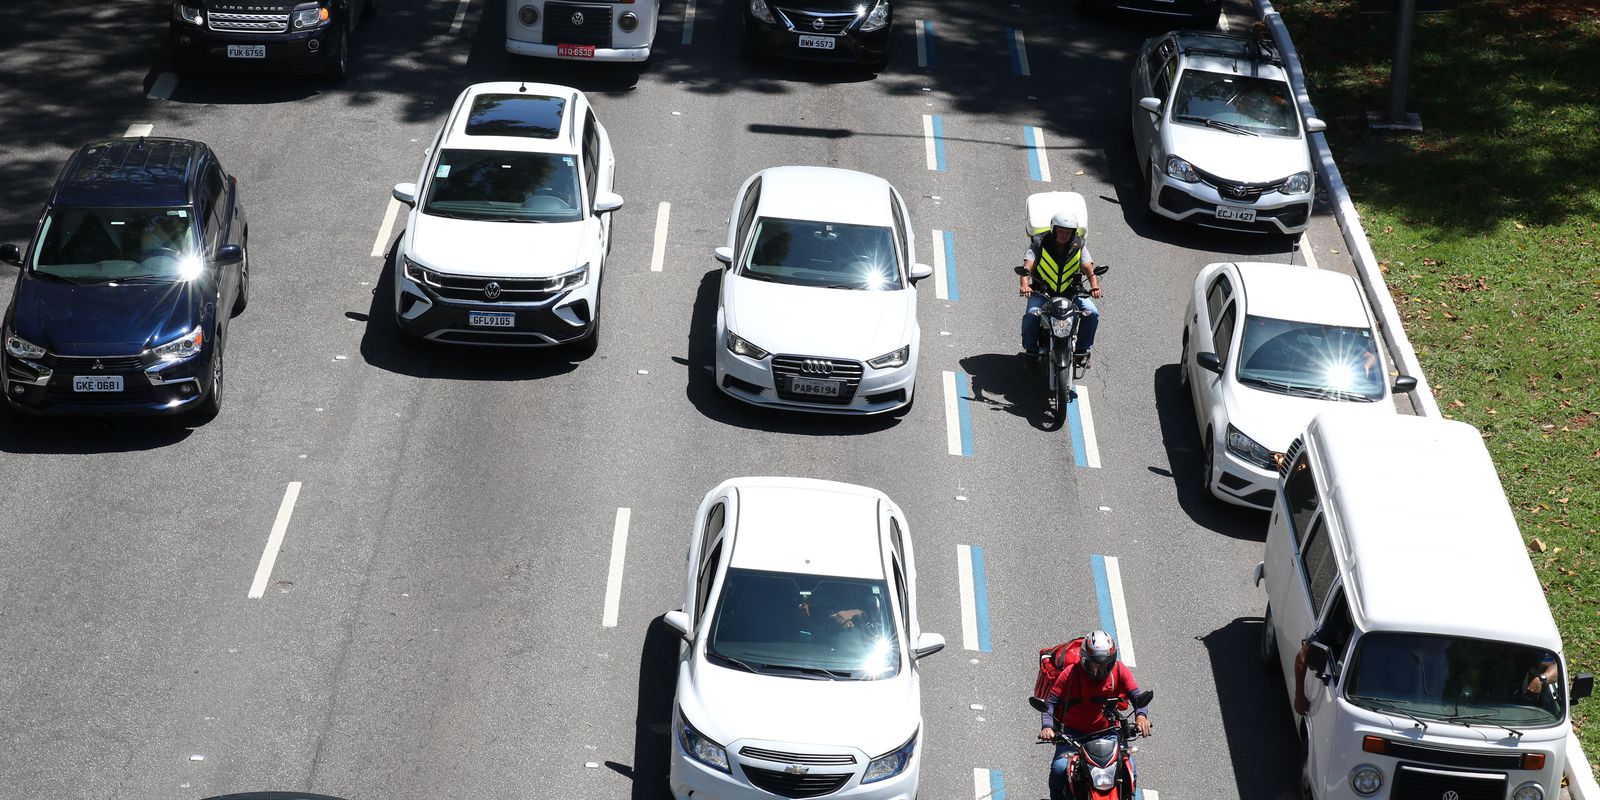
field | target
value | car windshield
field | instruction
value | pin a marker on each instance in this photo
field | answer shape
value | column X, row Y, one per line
column 1330, row 362
column 1469, row 681
column 504, row 186
column 1218, row 99
column 104, row 245
column 829, row 254
column 805, row 626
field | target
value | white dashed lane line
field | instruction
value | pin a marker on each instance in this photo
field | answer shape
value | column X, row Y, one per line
column 619, row 550
column 1304, row 246
column 380, row 245
column 1019, row 53
column 138, row 129
column 461, row 16
column 924, row 44
column 688, row 22
column 658, row 255
column 1038, row 160
column 933, row 141
column 269, row 555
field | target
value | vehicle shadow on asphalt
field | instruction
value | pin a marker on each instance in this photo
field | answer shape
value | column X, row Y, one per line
column 385, row 347
column 652, row 734
column 701, row 384
column 21, row 434
column 1185, row 456
column 1005, row 382
column 1256, row 720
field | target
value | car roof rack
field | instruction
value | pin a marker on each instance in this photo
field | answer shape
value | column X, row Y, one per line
column 1258, row 48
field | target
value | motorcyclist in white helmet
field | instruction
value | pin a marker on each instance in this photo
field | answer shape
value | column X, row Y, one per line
column 1058, row 264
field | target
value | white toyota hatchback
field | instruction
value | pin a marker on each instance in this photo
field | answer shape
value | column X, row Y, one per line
column 510, row 221
column 817, row 309
column 1266, row 347
column 799, row 673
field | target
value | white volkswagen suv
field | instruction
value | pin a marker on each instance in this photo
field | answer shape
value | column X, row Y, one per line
column 799, row 674
column 510, row 221
column 817, row 308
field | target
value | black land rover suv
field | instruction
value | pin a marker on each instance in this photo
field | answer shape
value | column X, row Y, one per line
column 300, row 36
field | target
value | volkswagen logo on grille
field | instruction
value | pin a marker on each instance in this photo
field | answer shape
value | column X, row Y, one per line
column 796, row 769
column 816, row 366
column 1450, row 794
column 98, row 365
column 577, row 17
column 491, row 290
column 817, row 24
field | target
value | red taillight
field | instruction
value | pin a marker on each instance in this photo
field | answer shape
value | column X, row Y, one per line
column 1374, row 744
column 1533, row 760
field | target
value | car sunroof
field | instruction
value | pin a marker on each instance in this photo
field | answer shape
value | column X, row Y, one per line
column 530, row 116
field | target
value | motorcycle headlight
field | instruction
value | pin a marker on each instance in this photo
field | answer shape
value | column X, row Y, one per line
column 877, row 17
column 740, row 346
column 311, row 17
column 180, row 348
column 189, row 14
column 571, row 280
column 1103, row 777
column 698, row 747
column 1181, row 170
column 1298, row 183
column 1060, row 327
column 889, row 765
column 897, row 358
column 1528, row 791
column 1366, row 780
column 1250, row 450
column 22, row 348
column 759, row 10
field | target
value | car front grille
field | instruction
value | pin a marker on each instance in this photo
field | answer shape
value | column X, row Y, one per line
column 829, row 759
column 1239, row 191
column 846, row 372
column 1413, row 782
column 786, row 784
column 98, row 366
column 823, row 23
column 577, row 23
column 247, row 23
column 471, row 289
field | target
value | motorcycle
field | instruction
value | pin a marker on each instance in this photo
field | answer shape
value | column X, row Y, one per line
column 1059, row 321
column 1101, row 764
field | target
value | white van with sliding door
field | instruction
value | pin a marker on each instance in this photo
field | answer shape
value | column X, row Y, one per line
column 1434, row 669
column 581, row 31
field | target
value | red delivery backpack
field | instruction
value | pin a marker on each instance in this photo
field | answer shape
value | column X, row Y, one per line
column 1052, row 661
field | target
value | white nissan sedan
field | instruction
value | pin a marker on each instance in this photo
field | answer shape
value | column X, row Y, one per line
column 1266, row 347
column 799, row 675
column 817, row 308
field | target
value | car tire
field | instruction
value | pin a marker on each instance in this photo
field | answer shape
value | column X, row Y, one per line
column 1145, row 195
column 243, row 299
column 1208, row 469
column 340, row 68
column 1183, row 364
column 585, row 348
column 211, row 406
column 878, row 65
column 752, row 51
column 1268, row 650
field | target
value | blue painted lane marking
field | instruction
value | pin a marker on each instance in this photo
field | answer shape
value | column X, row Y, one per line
column 1080, row 454
column 938, row 143
column 980, row 591
column 997, row 785
column 964, row 409
column 1102, row 596
column 950, row 265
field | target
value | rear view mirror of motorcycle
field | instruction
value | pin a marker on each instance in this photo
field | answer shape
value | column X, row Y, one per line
column 1102, row 269
column 1142, row 698
column 1037, row 703
column 1020, row 270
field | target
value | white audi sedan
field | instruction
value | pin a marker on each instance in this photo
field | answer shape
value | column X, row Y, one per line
column 798, row 675
column 1266, row 347
column 818, row 310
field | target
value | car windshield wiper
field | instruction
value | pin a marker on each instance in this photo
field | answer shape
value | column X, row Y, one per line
column 1281, row 386
column 756, row 276
column 826, row 674
column 1468, row 719
column 55, row 277
column 735, row 662
column 1385, row 705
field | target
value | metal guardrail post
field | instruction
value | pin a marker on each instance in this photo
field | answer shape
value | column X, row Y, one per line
column 1581, row 783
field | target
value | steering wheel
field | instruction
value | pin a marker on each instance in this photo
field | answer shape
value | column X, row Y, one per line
column 554, row 194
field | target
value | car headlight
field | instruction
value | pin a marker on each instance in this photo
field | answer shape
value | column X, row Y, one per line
column 759, row 10
column 1103, row 777
column 698, row 747
column 739, row 346
column 889, row 765
column 571, row 280
column 414, row 271
column 528, row 16
column 891, row 360
column 189, row 14
column 1250, row 450
column 311, row 17
column 877, row 18
column 628, row 22
column 1528, row 791
column 1366, row 780
column 180, row 348
column 1298, row 183
column 22, row 348
column 1181, row 170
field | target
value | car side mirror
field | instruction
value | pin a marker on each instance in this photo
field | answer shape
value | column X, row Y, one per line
column 229, row 254
column 1582, row 686
column 1102, row 270
column 927, row 645
column 678, row 621
column 1142, row 698
column 1315, row 125
column 1317, row 657
column 1209, row 362
column 920, row 271
column 724, row 254
column 607, row 202
column 1405, row 383
column 405, row 193
column 1150, row 104
column 11, row 254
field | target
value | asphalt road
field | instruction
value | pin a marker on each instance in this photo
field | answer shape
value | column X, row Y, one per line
column 432, row 626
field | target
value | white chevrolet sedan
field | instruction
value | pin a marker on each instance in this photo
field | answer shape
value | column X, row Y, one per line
column 1266, row 347
column 799, row 675
column 817, row 308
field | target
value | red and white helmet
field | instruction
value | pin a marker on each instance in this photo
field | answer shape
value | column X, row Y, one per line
column 1099, row 654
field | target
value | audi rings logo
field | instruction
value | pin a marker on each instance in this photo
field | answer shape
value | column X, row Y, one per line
column 491, row 290
column 817, row 24
column 1450, row 794
column 577, row 18
column 816, row 366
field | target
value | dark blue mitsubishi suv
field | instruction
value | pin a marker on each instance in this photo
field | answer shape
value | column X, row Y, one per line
column 123, row 299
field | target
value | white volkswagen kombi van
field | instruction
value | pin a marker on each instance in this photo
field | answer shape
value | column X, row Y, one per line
column 1434, row 667
column 581, row 31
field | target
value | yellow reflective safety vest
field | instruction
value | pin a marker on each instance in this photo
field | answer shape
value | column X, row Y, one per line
column 1056, row 270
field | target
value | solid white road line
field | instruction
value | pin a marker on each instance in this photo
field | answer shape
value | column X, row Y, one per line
column 922, row 43
column 461, row 17
column 1091, row 445
column 688, row 22
column 619, row 548
column 380, row 244
column 941, row 281
column 163, row 86
column 1310, row 254
column 952, row 415
column 1022, row 52
column 269, row 555
column 969, row 603
column 1038, row 149
column 659, row 255
column 1150, row 794
column 1119, row 611
column 928, row 141
column 138, row 129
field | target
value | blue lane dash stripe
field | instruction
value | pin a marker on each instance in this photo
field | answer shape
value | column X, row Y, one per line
column 1011, row 45
column 950, row 265
column 1102, row 596
column 997, row 785
column 927, row 42
column 1031, row 136
column 964, row 411
column 1080, row 455
column 938, row 141
column 980, row 592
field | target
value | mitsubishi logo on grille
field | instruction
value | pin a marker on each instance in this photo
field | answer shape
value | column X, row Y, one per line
column 817, row 24
column 98, row 365
column 816, row 366
column 577, row 17
column 1450, row 794
column 491, row 290
column 796, row 769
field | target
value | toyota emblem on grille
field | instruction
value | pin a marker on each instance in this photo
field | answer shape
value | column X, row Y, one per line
column 796, row 769
column 1450, row 794
column 816, row 366
column 577, row 17
column 98, row 365
column 817, row 24
column 491, row 290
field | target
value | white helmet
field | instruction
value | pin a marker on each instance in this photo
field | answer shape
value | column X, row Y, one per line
column 1065, row 219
